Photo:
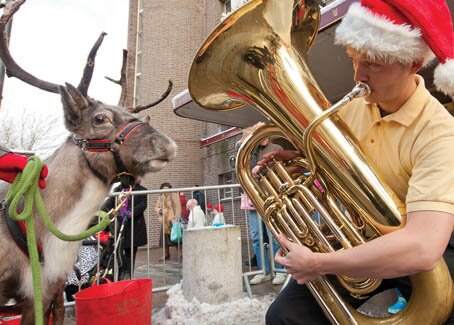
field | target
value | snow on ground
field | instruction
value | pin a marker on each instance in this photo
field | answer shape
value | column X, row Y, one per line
column 178, row 311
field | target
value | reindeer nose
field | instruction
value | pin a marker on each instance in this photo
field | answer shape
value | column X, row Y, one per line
column 171, row 149
column 164, row 146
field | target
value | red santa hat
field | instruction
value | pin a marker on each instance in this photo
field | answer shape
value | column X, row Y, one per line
column 403, row 31
column 219, row 208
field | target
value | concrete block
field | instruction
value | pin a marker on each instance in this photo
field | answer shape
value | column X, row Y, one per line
column 212, row 270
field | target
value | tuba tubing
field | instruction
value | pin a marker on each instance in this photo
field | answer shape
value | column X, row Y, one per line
column 256, row 56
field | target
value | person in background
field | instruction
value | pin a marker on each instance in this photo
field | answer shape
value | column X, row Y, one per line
column 200, row 197
column 134, row 234
column 253, row 219
column 184, row 211
column 196, row 215
column 210, row 213
column 168, row 208
column 407, row 135
column 218, row 219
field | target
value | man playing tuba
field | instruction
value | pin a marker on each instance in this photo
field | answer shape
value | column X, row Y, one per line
column 408, row 136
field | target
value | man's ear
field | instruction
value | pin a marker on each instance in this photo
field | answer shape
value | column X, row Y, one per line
column 416, row 66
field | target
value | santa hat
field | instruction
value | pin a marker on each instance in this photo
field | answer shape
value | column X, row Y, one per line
column 219, row 208
column 210, row 206
column 403, row 31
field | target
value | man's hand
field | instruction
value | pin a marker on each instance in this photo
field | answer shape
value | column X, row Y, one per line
column 300, row 261
column 255, row 171
column 280, row 155
column 11, row 164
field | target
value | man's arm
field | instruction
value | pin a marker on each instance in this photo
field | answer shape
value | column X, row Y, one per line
column 415, row 248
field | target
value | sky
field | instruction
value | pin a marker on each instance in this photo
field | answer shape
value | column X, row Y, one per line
column 51, row 39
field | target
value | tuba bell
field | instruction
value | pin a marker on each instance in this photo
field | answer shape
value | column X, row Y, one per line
column 257, row 56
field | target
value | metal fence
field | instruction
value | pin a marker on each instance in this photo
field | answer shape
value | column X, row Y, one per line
column 149, row 261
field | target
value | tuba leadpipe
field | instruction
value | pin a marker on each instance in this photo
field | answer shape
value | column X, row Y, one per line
column 257, row 56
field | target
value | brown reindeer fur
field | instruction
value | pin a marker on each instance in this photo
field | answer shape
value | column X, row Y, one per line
column 73, row 194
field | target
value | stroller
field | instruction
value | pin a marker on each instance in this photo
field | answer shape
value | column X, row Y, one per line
column 86, row 267
column 115, row 248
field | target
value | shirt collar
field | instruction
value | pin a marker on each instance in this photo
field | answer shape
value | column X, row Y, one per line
column 412, row 107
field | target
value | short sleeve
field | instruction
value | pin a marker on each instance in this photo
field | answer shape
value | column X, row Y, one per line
column 431, row 185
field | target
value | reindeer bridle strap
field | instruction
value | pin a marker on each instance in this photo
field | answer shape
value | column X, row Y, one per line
column 93, row 145
column 103, row 145
column 126, row 131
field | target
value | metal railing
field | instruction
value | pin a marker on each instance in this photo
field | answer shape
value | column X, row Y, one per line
column 166, row 273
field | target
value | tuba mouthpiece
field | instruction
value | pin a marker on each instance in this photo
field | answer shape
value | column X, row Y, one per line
column 361, row 89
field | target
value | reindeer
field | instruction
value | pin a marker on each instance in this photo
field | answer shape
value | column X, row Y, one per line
column 105, row 140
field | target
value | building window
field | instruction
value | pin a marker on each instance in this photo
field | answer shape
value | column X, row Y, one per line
column 138, row 67
column 232, row 5
column 226, row 179
column 228, row 6
column 137, row 88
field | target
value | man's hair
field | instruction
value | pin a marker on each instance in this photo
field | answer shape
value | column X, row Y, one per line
column 249, row 130
column 165, row 185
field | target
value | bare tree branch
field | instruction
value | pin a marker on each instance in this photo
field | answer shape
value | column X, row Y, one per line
column 123, row 82
column 21, row 129
column 12, row 68
column 90, row 65
column 164, row 96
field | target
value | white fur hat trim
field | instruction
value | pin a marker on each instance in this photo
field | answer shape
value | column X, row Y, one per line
column 444, row 77
column 379, row 38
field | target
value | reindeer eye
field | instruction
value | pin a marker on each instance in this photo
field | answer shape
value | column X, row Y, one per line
column 101, row 119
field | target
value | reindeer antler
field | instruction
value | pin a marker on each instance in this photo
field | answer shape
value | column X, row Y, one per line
column 12, row 68
column 123, row 82
column 90, row 66
column 163, row 96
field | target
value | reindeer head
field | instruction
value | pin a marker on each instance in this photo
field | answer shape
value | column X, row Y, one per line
column 98, row 127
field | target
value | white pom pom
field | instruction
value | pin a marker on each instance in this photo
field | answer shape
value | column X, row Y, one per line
column 444, row 77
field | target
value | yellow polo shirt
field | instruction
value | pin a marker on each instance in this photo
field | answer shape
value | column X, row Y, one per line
column 412, row 149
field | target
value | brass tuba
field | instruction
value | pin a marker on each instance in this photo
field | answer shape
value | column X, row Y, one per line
column 256, row 56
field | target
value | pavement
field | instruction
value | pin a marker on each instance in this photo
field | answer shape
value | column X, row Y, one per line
column 169, row 273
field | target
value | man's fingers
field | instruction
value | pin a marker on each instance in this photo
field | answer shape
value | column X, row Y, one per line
column 284, row 242
column 42, row 183
column 42, row 176
column 270, row 154
column 8, row 176
column 44, row 172
column 13, row 162
column 280, row 256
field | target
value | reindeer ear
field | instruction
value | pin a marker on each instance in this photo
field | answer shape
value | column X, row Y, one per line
column 74, row 103
column 147, row 119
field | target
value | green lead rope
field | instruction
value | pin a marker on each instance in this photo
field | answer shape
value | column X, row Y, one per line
column 25, row 189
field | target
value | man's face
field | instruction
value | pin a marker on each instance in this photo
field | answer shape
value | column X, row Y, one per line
column 386, row 80
column 265, row 142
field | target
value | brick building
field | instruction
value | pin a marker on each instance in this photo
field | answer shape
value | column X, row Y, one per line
column 164, row 37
